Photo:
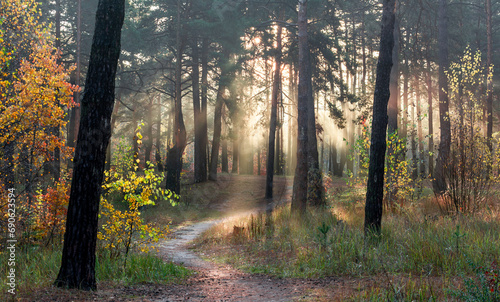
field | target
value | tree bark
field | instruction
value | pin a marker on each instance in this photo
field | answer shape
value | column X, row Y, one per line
column 78, row 255
column 300, row 181
column 392, row 111
column 439, row 182
column 431, row 120
column 174, row 156
column 314, row 176
column 489, row 98
column 420, row 134
column 224, row 156
column 203, row 113
column 109, row 151
column 375, row 185
column 148, row 145
column 199, row 147
column 219, row 102
column 236, row 154
column 272, row 124
column 74, row 120
column 158, row 157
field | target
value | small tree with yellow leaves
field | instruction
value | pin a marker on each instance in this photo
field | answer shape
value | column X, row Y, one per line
column 470, row 166
column 124, row 230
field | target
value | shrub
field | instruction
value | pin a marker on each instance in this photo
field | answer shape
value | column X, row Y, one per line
column 124, row 230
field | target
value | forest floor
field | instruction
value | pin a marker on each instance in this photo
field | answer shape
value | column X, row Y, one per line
column 234, row 195
column 215, row 282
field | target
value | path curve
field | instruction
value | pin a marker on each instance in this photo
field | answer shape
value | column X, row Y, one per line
column 215, row 282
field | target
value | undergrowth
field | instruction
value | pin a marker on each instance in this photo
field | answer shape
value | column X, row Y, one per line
column 37, row 267
column 415, row 242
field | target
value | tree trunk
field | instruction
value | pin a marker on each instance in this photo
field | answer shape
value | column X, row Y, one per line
column 375, row 185
column 135, row 143
column 392, row 126
column 293, row 123
column 405, row 119
column 109, row 151
column 431, row 121
column 274, row 112
column 489, row 98
column 56, row 166
column 74, row 120
column 420, row 134
column 203, row 114
column 158, row 157
column 224, row 155
column 439, row 182
column 199, row 147
column 78, row 255
column 148, row 146
column 414, row 166
column 236, row 155
column 300, row 181
column 174, row 156
column 219, row 102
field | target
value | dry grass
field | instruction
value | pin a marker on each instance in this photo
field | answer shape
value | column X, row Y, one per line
column 418, row 246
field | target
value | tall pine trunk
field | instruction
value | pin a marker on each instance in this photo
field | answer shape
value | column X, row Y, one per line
column 430, row 117
column 489, row 98
column 392, row 126
column 148, row 144
column 174, row 156
column 273, row 119
column 439, row 182
column 375, row 185
column 199, row 147
column 300, row 181
column 158, row 157
column 203, row 113
column 78, row 255
column 219, row 102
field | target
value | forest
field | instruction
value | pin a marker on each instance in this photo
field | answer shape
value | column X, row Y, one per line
column 249, row 150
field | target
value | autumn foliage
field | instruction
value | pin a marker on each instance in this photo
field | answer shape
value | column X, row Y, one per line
column 35, row 96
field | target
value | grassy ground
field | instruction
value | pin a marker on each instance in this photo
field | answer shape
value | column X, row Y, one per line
column 421, row 255
column 37, row 266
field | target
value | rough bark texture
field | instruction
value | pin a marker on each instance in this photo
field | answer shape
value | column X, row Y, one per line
column 109, row 152
column 375, row 185
column 299, row 196
column 439, row 181
column 314, row 178
column 78, row 256
column 272, row 125
column 174, row 156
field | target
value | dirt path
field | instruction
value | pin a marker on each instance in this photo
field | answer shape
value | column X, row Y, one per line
column 214, row 282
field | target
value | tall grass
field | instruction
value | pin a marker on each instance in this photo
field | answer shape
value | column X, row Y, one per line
column 320, row 244
column 37, row 267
